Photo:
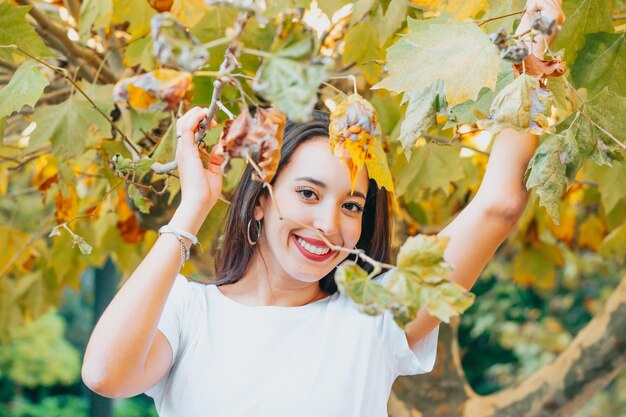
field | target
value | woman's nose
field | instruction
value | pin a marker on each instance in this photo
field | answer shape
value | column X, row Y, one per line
column 327, row 220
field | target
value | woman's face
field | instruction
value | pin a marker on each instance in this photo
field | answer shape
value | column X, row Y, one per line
column 313, row 189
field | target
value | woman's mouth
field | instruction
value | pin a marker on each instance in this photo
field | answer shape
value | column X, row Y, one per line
column 312, row 252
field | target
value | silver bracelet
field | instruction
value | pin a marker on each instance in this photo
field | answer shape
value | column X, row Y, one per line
column 184, row 251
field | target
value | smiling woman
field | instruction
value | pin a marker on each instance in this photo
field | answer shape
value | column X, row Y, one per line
column 313, row 187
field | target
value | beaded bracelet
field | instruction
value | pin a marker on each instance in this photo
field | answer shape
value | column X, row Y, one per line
column 184, row 251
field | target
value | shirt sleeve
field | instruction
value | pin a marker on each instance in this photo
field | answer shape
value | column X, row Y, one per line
column 407, row 360
column 170, row 323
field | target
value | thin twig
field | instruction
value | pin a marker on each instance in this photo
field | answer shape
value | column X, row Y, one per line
column 491, row 19
column 136, row 152
column 224, row 76
column 57, row 32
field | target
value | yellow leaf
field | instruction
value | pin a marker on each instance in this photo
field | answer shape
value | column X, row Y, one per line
column 355, row 138
column 66, row 205
column 139, row 98
column 591, row 233
column 189, row 12
column 355, row 135
column 536, row 265
column 564, row 231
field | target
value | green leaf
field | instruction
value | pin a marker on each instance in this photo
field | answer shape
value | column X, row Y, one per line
column 25, row 88
column 68, row 126
column 522, row 105
column 432, row 167
column 421, row 280
column 607, row 110
column 611, row 182
column 389, row 22
column 614, row 244
column 583, row 17
column 139, row 52
column 94, row 14
column 369, row 296
column 166, row 149
column 601, row 63
column 136, row 12
column 141, row 202
column 3, row 125
column 585, row 136
column 331, row 6
column 15, row 30
column 552, row 168
column 291, row 85
column 126, row 165
column 384, row 4
column 420, row 114
column 362, row 47
column 458, row 53
column 447, row 300
column 423, row 250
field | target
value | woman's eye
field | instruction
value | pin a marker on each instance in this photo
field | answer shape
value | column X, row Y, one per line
column 308, row 194
column 354, row 207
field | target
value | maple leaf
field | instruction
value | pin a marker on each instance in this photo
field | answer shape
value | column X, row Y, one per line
column 369, row 296
column 261, row 136
column 25, row 88
column 15, row 30
column 355, row 138
column 458, row 53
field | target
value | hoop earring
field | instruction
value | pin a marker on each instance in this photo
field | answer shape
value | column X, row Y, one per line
column 258, row 222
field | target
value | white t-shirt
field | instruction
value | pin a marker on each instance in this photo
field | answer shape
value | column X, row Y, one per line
column 324, row 359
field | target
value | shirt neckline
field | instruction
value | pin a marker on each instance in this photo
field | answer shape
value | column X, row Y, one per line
column 305, row 307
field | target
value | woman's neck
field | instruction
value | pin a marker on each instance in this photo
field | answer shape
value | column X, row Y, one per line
column 260, row 287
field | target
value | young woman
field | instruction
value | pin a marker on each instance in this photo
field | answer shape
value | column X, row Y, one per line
column 272, row 336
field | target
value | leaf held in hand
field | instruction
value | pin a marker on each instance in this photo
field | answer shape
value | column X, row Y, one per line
column 261, row 135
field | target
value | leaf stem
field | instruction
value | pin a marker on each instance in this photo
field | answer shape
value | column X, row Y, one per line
column 491, row 19
column 256, row 52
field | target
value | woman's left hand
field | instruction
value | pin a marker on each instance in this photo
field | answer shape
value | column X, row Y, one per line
column 549, row 9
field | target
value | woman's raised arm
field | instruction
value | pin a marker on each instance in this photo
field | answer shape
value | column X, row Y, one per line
column 125, row 355
column 482, row 226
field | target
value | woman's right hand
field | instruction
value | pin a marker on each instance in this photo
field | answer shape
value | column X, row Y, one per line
column 199, row 186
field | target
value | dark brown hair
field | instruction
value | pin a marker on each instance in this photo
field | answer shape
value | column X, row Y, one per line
column 235, row 253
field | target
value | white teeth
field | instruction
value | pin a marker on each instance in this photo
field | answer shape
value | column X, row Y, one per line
column 313, row 249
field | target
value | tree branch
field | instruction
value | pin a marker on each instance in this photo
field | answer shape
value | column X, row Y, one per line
column 57, row 32
column 590, row 362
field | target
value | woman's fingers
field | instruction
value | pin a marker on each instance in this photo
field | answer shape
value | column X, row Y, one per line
column 186, row 126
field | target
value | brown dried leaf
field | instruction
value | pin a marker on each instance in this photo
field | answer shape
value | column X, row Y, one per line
column 537, row 67
column 261, row 136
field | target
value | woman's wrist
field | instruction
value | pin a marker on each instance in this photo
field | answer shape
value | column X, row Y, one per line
column 189, row 217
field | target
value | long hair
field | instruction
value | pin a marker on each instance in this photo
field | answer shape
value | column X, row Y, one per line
column 235, row 253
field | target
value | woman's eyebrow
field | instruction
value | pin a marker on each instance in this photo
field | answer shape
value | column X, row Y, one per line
column 323, row 185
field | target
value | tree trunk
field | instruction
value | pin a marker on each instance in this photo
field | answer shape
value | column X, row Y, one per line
column 590, row 362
